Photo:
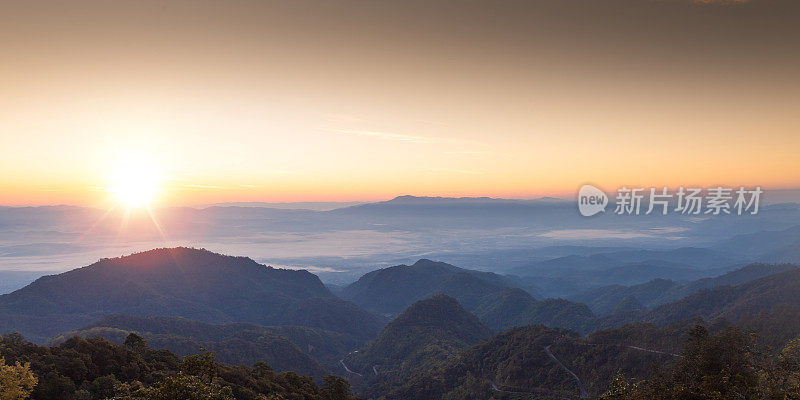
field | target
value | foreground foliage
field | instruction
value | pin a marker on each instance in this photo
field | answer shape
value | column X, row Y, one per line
column 16, row 381
column 728, row 365
column 94, row 369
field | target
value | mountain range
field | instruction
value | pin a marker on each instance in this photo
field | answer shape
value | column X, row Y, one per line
column 419, row 331
column 180, row 282
column 605, row 299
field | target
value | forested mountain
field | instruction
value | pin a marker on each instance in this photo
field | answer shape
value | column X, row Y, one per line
column 308, row 351
column 190, row 283
column 491, row 297
column 391, row 290
column 514, row 307
column 427, row 333
column 730, row 364
column 605, row 300
column 96, row 369
column 535, row 362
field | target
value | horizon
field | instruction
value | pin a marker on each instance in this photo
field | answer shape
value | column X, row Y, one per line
column 772, row 196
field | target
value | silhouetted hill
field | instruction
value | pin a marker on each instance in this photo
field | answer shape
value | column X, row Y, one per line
column 189, row 283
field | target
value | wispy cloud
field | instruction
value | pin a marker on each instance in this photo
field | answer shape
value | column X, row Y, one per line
column 455, row 170
column 720, row 1
column 385, row 135
column 576, row 234
column 465, row 152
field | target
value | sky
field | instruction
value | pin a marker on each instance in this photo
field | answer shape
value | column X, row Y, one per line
column 363, row 100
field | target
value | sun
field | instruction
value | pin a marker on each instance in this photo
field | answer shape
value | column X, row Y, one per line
column 135, row 184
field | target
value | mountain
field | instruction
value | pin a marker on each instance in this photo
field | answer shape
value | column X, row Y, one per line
column 13, row 280
column 426, row 333
column 492, row 297
column 183, row 282
column 603, row 300
column 391, row 290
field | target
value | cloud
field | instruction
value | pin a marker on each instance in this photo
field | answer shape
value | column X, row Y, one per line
column 575, row 234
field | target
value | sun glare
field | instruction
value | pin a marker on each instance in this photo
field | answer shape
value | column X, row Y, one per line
column 135, row 184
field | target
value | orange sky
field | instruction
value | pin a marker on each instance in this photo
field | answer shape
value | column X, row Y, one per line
column 365, row 100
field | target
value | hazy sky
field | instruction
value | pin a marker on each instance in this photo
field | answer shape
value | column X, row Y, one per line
column 358, row 100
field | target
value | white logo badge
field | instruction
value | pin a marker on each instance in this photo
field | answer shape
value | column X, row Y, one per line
column 591, row 200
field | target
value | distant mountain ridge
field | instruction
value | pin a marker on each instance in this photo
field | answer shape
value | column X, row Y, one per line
column 660, row 291
column 732, row 303
column 624, row 267
column 183, row 282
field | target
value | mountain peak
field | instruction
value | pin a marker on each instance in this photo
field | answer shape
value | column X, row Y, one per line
column 181, row 282
column 436, row 309
column 427, row 332
column 181, row 256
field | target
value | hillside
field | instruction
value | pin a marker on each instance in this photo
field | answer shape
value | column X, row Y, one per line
column 189, row 283
column 428, row 332
column 308, row 351
column 95, row 368
column 538, row 362
column 514, row 307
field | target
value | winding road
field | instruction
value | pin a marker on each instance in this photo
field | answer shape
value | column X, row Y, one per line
column 584, row 394
column 345, row 365
column 581, row 388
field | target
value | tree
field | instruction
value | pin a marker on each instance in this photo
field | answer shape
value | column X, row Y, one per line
column 201, row 365
column 336, row 388
column 620, row 389
column 185, row 387
column 135, row 342
column 16, row 381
